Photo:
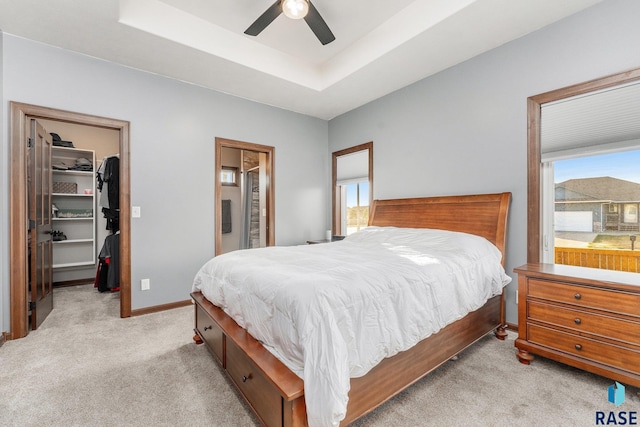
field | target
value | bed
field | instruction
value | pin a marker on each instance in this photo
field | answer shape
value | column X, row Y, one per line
column 292, row 341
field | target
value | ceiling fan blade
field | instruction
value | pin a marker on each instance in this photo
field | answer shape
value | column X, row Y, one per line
column 318, row 26
column 265, row 19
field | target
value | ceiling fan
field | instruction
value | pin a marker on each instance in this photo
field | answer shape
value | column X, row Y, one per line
column 294, row 9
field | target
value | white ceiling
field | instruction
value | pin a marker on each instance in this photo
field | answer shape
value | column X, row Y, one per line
column 380, row 46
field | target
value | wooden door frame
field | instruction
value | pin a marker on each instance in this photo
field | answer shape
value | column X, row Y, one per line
column 270, row 187
column 335, row 194
column 534, row 162
column 18, row 276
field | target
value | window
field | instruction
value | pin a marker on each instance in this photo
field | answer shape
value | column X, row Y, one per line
column 584, row 182
column 352, row 188
column 631, row 215
column 355, row 206
column 229, row 175
column 592, row 218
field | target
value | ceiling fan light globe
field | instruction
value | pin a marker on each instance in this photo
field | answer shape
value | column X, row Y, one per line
column 295, row 9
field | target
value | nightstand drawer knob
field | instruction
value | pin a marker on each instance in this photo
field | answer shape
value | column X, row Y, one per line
column 577, row 296
column 245, row 378
column 577, row 320
column 578, row 347
column 206, row 328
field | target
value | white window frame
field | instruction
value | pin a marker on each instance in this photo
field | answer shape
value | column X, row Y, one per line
column 547, row 209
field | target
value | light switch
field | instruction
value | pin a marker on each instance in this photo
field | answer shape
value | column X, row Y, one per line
column 135, row 211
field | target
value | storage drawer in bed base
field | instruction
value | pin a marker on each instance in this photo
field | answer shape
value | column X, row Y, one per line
column 244, row 357
column 210, row 333
column 275, row 394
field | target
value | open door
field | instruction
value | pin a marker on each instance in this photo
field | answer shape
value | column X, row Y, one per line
column 39, row 208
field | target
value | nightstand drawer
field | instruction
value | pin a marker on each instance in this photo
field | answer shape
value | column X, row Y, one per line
column 582, row 321
column 614, row 301
column 612, row 355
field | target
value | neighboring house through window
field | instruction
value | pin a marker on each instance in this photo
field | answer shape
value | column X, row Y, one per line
column 597, row 213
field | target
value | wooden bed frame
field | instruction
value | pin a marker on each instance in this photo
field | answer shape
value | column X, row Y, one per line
column 276, row 394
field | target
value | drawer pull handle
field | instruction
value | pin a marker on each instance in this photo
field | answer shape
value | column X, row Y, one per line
column 577, row 320
column 577, row 296
column 578, row 347
column 206, row 328
column 245, row 378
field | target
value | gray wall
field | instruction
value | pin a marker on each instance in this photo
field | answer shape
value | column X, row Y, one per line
column 4, row 196
column 173, row 126
column 464, row 130
column 461, row 131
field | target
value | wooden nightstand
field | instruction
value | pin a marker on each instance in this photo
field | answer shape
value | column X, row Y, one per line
column 584, row 317
column 333, row 239
column 315, row 242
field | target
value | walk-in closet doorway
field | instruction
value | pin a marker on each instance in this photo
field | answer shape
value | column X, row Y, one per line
column 22, row 115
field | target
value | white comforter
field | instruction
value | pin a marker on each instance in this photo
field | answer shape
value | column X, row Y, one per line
column 333, row 311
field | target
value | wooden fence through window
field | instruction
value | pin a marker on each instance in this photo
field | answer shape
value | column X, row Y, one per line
column 606, row 259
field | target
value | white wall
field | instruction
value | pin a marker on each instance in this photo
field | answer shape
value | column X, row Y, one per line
column 173, row 127
column 464, row 130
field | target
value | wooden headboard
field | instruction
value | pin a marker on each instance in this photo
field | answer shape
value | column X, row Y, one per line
column 481, row 214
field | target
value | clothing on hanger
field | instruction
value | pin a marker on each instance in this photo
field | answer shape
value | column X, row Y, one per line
column 108, row 183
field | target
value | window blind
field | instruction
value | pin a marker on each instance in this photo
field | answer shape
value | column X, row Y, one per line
column 352, row 168
column 597, row 122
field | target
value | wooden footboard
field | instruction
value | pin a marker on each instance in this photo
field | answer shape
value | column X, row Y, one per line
column 276, row 394
column 396, row 373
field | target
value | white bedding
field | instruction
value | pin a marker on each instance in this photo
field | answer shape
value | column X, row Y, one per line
column 333, row 311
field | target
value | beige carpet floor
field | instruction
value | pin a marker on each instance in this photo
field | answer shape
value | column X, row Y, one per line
column 87, row 367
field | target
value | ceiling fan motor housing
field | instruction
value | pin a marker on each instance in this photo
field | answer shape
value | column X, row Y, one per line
column 295, row 9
